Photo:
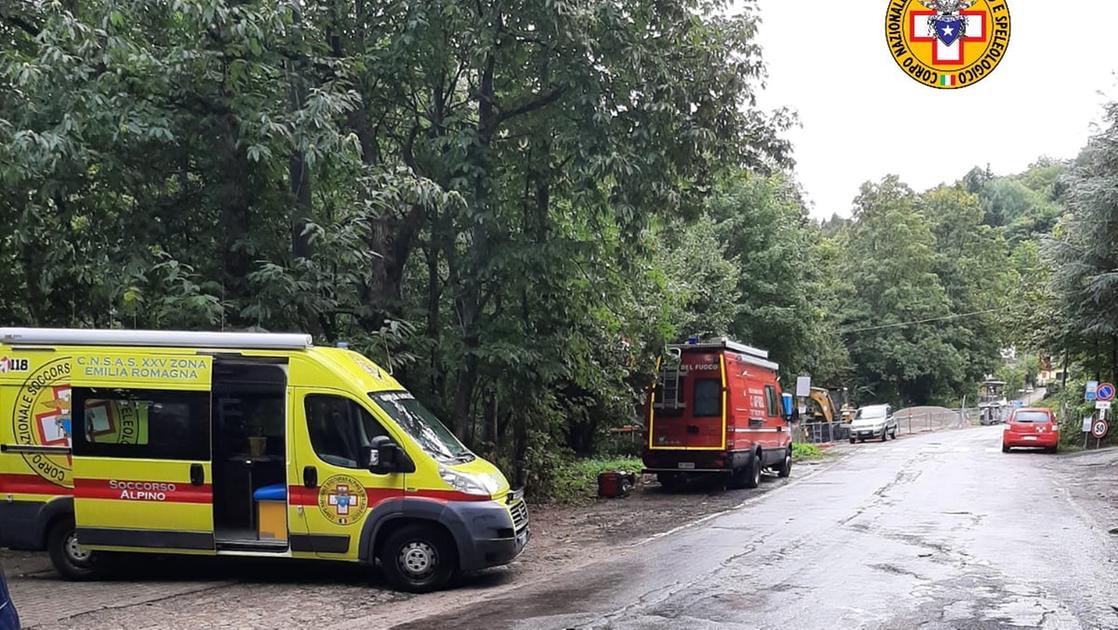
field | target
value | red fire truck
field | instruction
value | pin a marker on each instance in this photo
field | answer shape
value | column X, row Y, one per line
column 717, row 408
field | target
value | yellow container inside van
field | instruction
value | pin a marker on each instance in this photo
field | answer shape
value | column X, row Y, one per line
column 154, row 441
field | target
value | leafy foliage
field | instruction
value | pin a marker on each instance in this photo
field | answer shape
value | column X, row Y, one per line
column 514, row 205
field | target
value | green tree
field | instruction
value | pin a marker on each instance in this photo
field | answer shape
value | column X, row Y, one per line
column 1084, row 253
column 472, row 192
column 898, row 354
column 970, row 264
column 761, row 221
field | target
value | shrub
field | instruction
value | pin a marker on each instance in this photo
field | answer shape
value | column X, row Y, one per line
column 576, row 481
column 805, row 450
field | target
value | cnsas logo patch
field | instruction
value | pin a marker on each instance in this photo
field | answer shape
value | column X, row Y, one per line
column 948, row 44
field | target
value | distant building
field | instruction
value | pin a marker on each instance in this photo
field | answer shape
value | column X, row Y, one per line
column 1048, row 373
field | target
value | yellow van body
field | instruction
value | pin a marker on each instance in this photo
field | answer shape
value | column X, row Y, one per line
column 201, row 443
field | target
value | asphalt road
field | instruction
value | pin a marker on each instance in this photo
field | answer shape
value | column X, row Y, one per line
column 934, row 531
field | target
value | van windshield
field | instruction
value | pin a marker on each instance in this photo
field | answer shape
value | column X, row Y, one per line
column 422, row 426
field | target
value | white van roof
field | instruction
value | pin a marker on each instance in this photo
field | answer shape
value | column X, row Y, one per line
column 161, row 338
column 749, row 354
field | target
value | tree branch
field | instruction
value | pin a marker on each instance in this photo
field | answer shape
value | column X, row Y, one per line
column 22, row 24
column 539, row 102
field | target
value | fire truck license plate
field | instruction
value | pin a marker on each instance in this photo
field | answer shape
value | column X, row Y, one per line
column 687, row 465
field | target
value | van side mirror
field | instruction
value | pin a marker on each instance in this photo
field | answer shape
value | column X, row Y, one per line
column 384, row 457
column 788, row 408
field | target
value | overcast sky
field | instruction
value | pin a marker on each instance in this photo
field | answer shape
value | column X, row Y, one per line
column 863, row 118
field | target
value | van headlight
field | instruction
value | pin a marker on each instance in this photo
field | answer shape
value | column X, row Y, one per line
column 478, row 485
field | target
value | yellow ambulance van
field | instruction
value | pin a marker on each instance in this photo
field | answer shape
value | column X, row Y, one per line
column 237, row 444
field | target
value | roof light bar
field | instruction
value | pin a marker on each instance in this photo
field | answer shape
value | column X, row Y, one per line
column 161, row 338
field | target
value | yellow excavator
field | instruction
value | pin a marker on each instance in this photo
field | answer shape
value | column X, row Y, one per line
column 823, row 410
column 821, row 407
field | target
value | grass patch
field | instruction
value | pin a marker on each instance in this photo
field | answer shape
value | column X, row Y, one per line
column 576, row 481
column 806, row 451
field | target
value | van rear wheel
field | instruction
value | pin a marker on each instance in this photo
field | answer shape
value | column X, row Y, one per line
column 67, row 556
column 419, row 558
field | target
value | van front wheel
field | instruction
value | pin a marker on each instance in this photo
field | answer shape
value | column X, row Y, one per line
column 419, row 558
column 67, row 556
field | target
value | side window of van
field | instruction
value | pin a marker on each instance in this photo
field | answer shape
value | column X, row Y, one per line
column 340, row 429
column 708, row 398
column 142, row 424
column 770, row 400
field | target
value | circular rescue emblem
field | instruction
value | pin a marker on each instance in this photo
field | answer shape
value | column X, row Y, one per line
column 342, row 500
column 41, row 417
column 948, row 44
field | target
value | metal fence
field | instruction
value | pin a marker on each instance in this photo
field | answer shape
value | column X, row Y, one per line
column 909, row 421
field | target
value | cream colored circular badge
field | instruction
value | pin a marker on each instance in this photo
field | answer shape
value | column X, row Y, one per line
column 342, row 500
column 41, row 418
column 948, row 44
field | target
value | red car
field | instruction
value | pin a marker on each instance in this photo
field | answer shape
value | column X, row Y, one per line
column 1034, row 427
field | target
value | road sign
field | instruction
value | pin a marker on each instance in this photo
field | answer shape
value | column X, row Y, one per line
column 1100, row 429
column 1105, row 392
column 1090, row 392
column 1087, row 424
column 1103, row 404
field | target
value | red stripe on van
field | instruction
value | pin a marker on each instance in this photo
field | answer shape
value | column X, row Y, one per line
column 301, row 495
column 30, row 484
column 142, row 490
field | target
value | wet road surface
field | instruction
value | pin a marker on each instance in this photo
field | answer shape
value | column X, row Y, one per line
column 936, row 531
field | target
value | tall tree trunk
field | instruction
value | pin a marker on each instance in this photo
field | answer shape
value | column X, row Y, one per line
column 235, row 199
column 470, row 298
column 1064, row 374
column 1097, row 361
column 434, row 316
column 300, row 205
column 297, row 172
column 520, row 447
column 32, row 287
column 1113, row 358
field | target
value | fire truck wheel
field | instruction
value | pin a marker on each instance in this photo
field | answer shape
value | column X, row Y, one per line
column 755, row 474
column 785, row 469
column 748, row 476
column 670, row 482
column 67, row 556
